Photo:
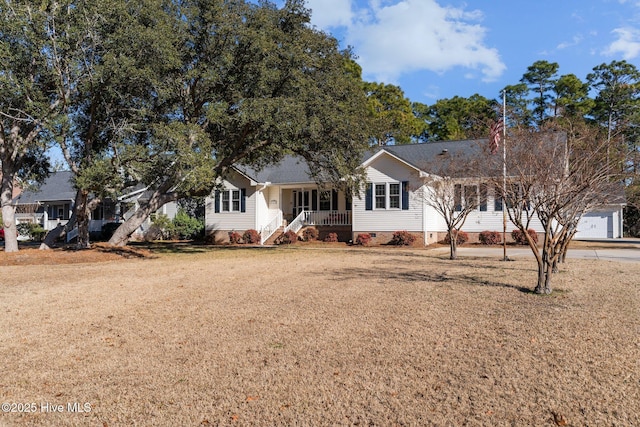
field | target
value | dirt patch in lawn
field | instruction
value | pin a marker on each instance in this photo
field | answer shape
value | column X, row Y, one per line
column 339, row 336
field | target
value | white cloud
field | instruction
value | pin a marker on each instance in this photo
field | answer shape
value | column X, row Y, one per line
column 574, row 42
column 393, row 38
column 330, row 13
column 627, row 44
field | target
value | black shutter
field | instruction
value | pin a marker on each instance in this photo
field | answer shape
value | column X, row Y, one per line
column 314, row 200
column 243, row 200
column 405, row 195
column 334, row 200
column 368, row 198
column 217, row 201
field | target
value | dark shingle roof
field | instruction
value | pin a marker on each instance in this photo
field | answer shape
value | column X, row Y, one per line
column 294, row 169
column 58, row 186
column 289, row 170
column 423, row 156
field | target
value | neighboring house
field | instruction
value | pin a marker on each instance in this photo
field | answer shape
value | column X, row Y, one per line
column 283, row 197
column 48, row 205
column 52, row 204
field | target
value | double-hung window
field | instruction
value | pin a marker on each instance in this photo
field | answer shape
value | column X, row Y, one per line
column 457, row 197
column 394, row 196
column 381, row 196
column 483, row 197
column 230, row 200
column 325, row 201
column 497, row 198
column 465, row 196
column 235, row 200
column 390, row 195
column 471, row 196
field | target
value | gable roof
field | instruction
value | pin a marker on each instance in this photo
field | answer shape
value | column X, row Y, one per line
column 422, row 156
column 293, row 169
column 380, row 153
column 58, row 186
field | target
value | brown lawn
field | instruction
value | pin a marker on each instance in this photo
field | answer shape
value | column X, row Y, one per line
column 191, row 336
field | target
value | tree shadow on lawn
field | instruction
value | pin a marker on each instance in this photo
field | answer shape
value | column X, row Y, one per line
column 400, row 277
column 188, row 247
column 123, row 251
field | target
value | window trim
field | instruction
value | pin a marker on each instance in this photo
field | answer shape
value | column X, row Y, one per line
column 233, row 197
column 464, row 192
column 377, row 197
column 397, row 196
column 387, row 196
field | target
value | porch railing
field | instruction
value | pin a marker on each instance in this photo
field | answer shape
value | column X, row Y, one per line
column 268, row 230
column 319, row 218
column 53, row 223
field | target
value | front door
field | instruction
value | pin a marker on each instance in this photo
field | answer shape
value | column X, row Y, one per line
column 301, row 201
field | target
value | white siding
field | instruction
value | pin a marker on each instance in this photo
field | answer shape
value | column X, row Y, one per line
column 238, row 221
column 478, row 221
column 433, row 223
column 492, row 221
column 389, row 170
column 169, row 209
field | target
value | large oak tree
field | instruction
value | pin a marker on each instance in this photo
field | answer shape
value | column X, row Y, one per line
column 255, row 83
column 29, row 100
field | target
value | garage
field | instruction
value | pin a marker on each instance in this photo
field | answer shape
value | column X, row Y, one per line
column 596, row 225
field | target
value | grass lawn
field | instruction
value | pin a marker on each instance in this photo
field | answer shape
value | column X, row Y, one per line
column 193, row 336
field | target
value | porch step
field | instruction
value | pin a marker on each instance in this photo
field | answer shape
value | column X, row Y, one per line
column 72, row 234
column 271, row 240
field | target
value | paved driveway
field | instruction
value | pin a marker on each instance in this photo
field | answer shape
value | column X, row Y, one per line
column 627, row 254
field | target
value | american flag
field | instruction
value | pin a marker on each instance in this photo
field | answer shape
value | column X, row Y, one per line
column 496, row 135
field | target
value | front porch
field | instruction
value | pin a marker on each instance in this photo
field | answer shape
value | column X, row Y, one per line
column 325, row 222
column 338, row 222
column 296, row 207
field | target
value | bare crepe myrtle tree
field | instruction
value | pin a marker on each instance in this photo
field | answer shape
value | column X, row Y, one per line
column 557, row 175
column 452, row 189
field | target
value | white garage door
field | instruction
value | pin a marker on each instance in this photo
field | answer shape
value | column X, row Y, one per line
column 595, row 225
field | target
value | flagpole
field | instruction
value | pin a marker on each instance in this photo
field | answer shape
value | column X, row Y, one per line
column 504, row 175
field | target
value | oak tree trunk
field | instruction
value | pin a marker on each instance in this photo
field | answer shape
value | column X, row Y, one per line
column 84, row 218
column 61, row 231
column 127, row 228
column 8, row 210
column 82, row 221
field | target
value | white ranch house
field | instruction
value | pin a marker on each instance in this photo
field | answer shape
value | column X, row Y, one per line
column 283, row 197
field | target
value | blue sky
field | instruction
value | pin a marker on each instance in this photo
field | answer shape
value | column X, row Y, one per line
column 435, row 49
